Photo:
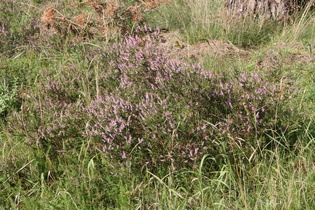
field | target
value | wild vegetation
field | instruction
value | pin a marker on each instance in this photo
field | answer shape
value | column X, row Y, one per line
column 163, row 104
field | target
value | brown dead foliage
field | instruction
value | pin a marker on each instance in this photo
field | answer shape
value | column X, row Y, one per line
column 81, row 20
column 153, row 3
column 135, row 13
column 107, row 19
column 109, row 8
column 48, row 17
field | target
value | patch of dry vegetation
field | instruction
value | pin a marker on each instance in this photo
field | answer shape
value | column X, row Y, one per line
column 104, row 20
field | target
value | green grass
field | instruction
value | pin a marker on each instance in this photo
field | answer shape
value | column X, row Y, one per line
column 274, row 170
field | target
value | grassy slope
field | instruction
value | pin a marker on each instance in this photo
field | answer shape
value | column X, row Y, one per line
column 276, row 177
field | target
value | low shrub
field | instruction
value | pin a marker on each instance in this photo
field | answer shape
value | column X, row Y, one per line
column 148, row 110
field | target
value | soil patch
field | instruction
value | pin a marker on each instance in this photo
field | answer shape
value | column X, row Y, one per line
column 174, row 46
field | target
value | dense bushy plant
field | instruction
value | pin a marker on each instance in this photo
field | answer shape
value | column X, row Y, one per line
column 149, row 109
column 155, row 109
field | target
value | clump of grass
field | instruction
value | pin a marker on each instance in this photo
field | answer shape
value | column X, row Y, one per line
column 203, row 20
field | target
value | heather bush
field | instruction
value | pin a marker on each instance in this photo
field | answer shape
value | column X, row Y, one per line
column 148, row 110
column 152, row 109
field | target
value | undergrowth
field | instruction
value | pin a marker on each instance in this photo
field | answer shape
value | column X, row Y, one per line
column 95, row 114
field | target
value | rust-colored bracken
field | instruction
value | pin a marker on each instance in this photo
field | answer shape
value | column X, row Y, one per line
column 81, row 20
column 107, row 18
column 48, row 17
column 153, row 3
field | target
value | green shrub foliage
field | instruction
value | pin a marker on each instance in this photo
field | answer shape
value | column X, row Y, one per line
column 150, row 110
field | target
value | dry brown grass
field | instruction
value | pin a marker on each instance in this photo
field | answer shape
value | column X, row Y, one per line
column 105, row 20
column 154, row 3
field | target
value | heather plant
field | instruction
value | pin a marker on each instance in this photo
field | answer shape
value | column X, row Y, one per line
column 135, row 116
column 159, row 110
column 142, row 108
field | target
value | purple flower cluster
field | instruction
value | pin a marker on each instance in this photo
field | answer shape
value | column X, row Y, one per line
column 142, row 113
column 164, row 108
column 250, row 98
